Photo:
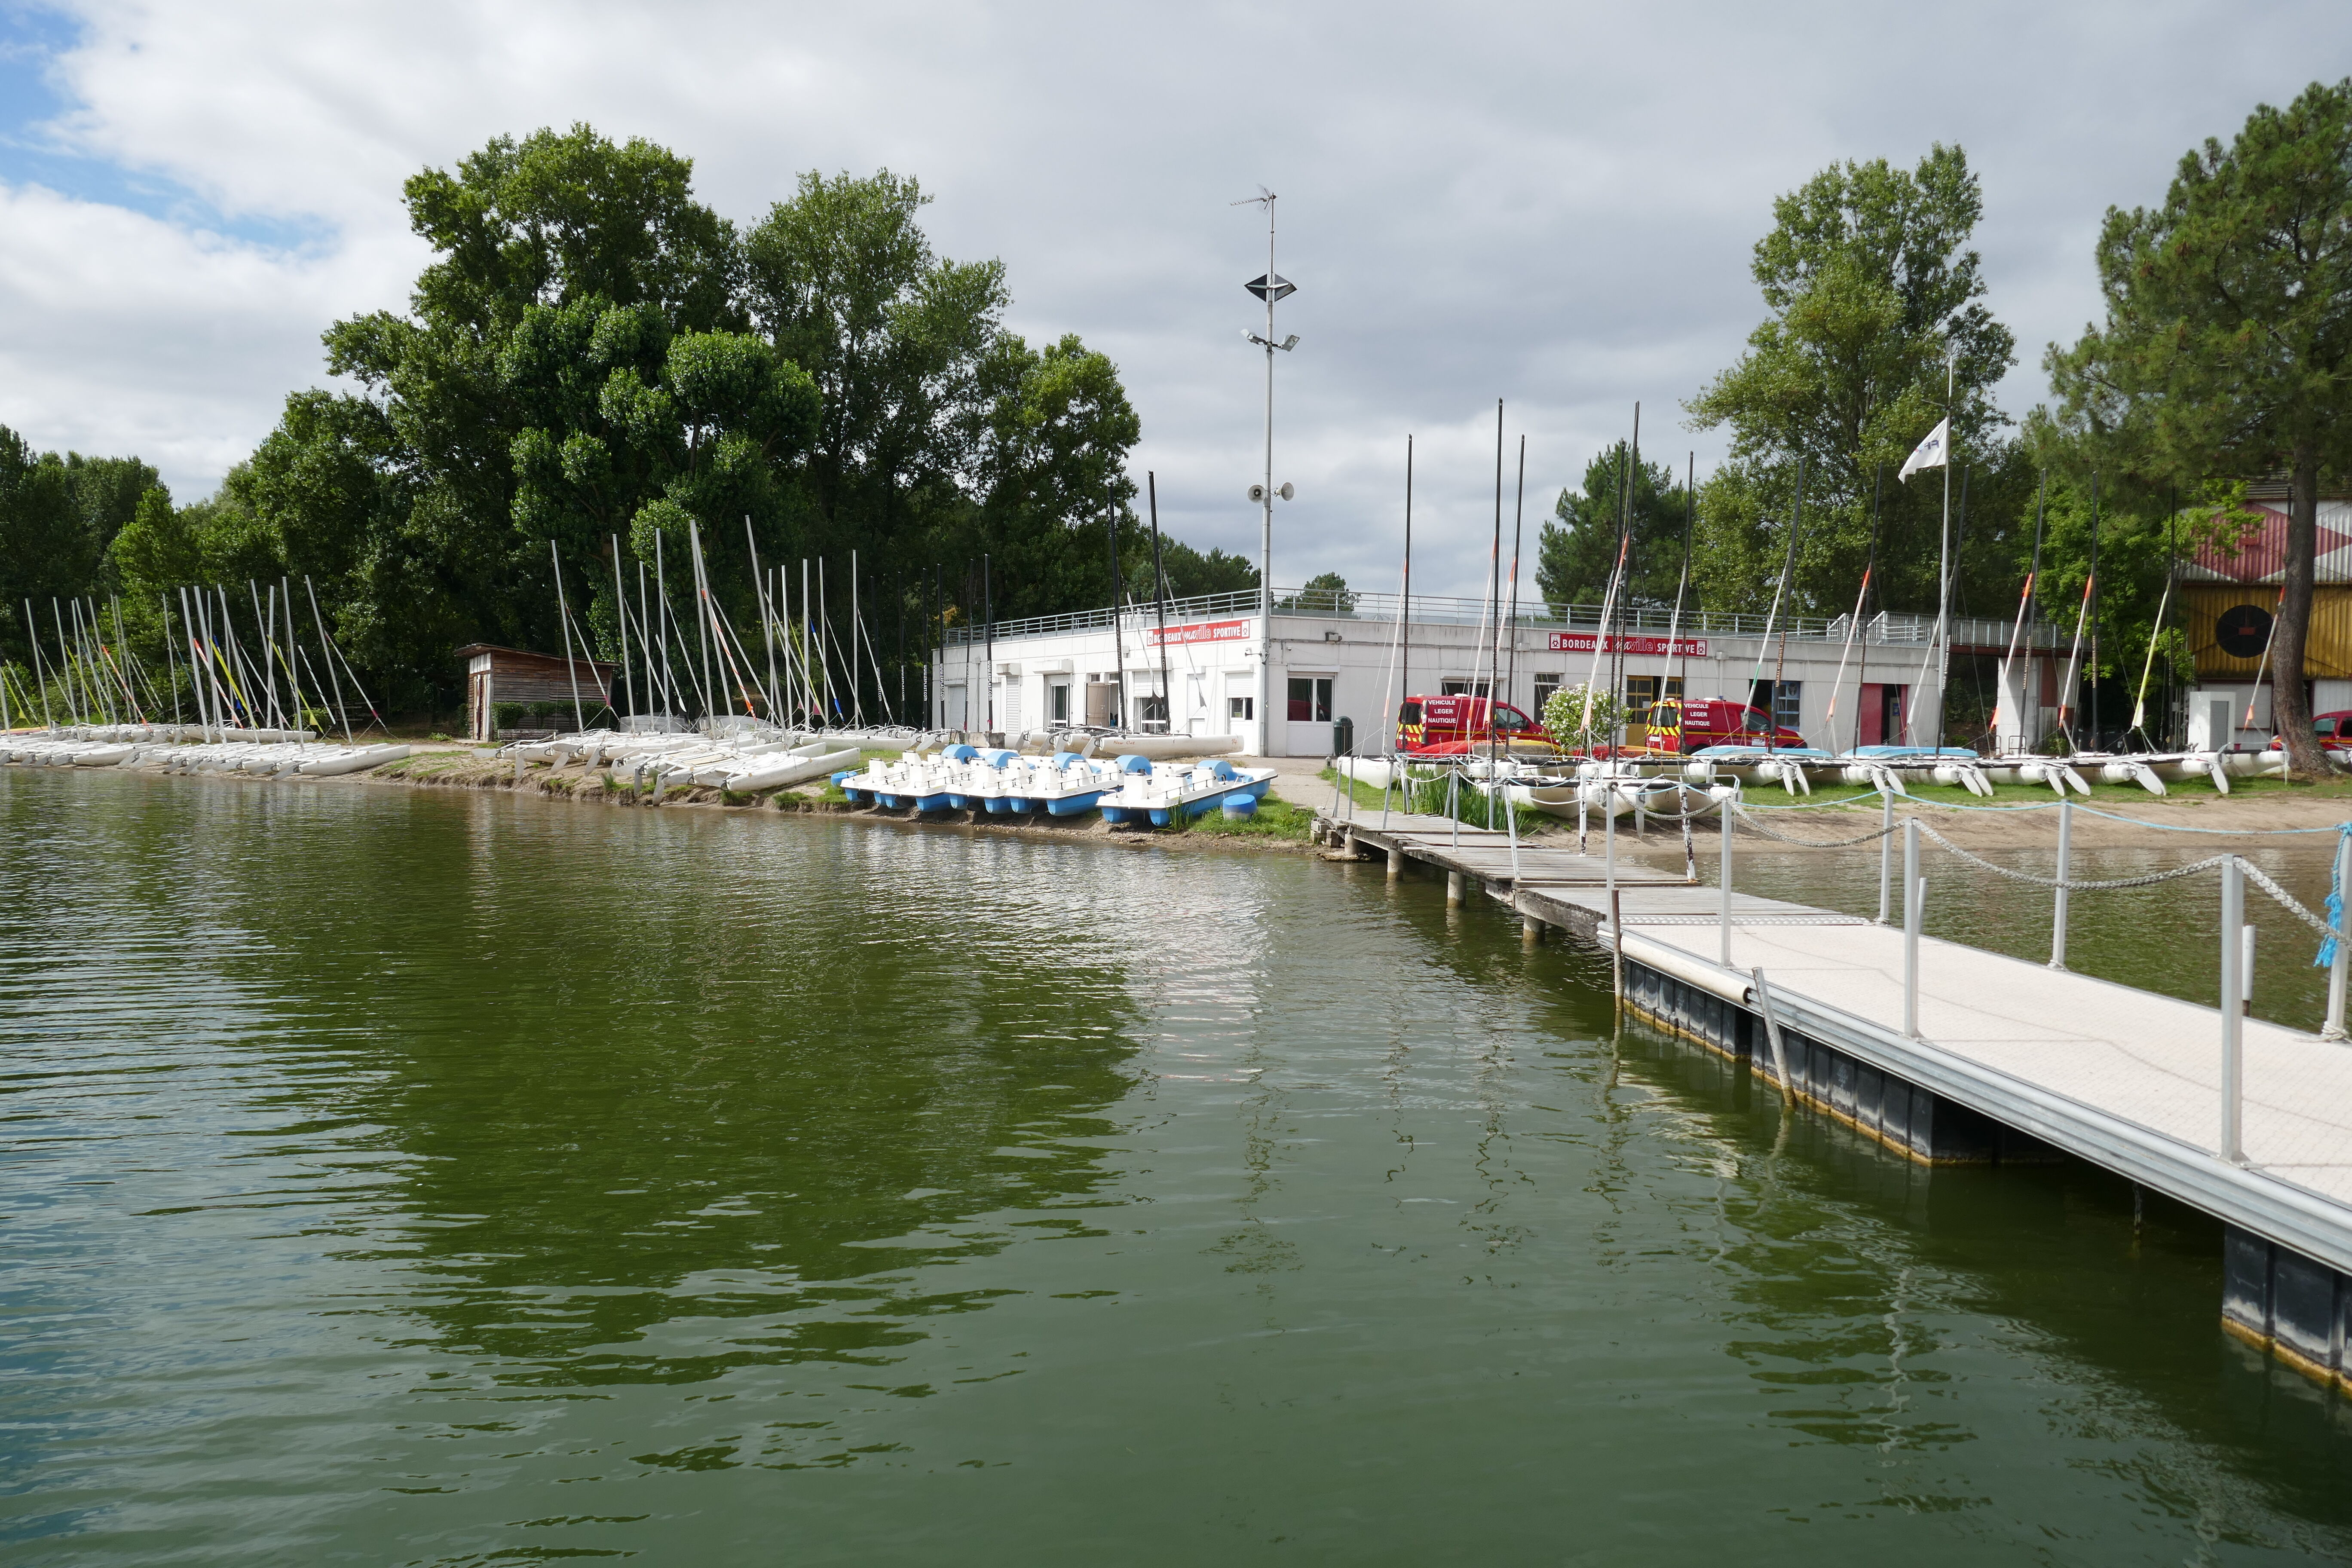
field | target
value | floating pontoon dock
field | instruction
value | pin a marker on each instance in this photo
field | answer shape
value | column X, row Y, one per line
column 2007, row 1060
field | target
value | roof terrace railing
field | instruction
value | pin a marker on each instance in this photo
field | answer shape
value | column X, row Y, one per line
column 1886, row 628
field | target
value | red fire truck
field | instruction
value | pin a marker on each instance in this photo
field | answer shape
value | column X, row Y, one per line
column 1686, row 725
column 1453, row 724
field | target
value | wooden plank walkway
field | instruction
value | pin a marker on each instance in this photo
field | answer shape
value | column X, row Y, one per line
column 1484, row 855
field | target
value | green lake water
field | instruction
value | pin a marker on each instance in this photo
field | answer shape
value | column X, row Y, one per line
column 397, row 1176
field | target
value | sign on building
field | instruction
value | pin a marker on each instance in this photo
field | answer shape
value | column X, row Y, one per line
column 1199, row 631
column 1649, row 647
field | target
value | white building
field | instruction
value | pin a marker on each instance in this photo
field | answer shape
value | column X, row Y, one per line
column 1352, row 661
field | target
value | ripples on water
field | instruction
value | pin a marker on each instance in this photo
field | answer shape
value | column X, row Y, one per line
column 418, row 1177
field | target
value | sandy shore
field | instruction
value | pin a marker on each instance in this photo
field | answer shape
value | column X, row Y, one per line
column 2109, row 820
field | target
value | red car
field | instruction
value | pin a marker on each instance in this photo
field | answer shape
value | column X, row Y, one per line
column 2334, row 730
column 1453, row 724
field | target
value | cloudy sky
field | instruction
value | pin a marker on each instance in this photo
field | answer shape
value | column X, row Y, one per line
column 1549, row 205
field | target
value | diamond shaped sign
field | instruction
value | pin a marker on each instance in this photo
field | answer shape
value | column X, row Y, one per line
column 1271, row 286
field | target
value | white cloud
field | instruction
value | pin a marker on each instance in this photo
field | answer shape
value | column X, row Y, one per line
column 1553, row 205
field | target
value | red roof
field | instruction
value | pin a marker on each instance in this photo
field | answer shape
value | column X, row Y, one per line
column 2261, row 555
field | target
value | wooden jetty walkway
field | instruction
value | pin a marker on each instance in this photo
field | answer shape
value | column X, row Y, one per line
column 2010, row 1060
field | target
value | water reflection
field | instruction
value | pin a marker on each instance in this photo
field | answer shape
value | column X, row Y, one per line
column 453, row 1178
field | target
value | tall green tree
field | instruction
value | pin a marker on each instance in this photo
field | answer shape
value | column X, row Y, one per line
column 593, row 355
column 2227, row 347
column 907, row 349
column 1871, row 290
column 1577, row 553
column 59, row 515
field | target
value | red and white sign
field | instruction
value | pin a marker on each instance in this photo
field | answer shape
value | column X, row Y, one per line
column 1199, row 631
column 1651, row 648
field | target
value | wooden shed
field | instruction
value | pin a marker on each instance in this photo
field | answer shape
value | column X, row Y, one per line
column 496, row 675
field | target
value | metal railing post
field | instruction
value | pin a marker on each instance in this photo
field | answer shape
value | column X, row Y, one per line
column 2338, row 970
column 1724, row 879
column 2233, row 914
column 2065, row 861
column 1773, row 1036
column 1915, row 898
column 1885, row 853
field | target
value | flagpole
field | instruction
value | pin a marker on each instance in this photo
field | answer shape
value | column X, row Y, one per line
column 1944, row 594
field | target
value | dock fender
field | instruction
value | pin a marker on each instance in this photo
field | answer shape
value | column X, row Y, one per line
column 1680, row 965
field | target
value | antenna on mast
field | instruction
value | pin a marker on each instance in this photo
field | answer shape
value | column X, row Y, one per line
column 1271, row 286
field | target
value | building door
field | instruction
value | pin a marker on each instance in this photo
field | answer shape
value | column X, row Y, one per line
column 1882, row 713
column 1196, row 704
column 1309, row 710
column 958, row 708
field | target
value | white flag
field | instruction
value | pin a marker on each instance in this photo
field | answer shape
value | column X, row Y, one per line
column 1932, row 452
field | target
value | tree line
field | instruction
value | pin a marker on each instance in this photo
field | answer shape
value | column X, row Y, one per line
column 597, row 362
column 2225, row 358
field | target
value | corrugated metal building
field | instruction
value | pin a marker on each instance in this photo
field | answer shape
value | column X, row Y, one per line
column 2229, row 605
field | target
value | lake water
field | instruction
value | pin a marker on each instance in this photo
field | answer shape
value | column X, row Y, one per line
column 403, row 1176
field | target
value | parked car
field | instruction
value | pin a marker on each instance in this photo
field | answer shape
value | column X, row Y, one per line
column 1685, row 725
column 2334, row 730
column 1453, row 724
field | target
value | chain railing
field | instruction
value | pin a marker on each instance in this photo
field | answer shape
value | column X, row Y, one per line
column 2237, row 943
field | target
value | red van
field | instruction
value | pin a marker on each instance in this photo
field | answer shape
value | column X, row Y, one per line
column 1685, row 725
column 1451, row 725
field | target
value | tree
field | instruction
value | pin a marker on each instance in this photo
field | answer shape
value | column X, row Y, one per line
column 1050, row 471
column 1190, row 572
column 2227, row 347
column 593, row 354
column 1325, row 592
column 1577, row 553
column 907, row 349
column 1870, row 286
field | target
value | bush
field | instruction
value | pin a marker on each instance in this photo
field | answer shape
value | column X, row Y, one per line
column 1563, row 718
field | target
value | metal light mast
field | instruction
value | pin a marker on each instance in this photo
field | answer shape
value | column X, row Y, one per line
column 1271, row 286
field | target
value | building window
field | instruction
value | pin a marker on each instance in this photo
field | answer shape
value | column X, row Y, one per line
column 1546, row 682
column 1463, row 688
column 1642, row 691
column 1785, row 699
column 1057, row 701
column 1241, row 708
column 1310, row 699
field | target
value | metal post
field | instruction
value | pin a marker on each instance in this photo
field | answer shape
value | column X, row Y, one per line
column 1609, row 839
column 2342, row 967
column 1511, row 822
column 1885, row 853
column 2233, row 914
column 1690, row 850
column 2246, row 970
column 1772, row 1035
column 2065, row 860
column 1914, row 897
column 1723, row 880
column 1454, row 801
